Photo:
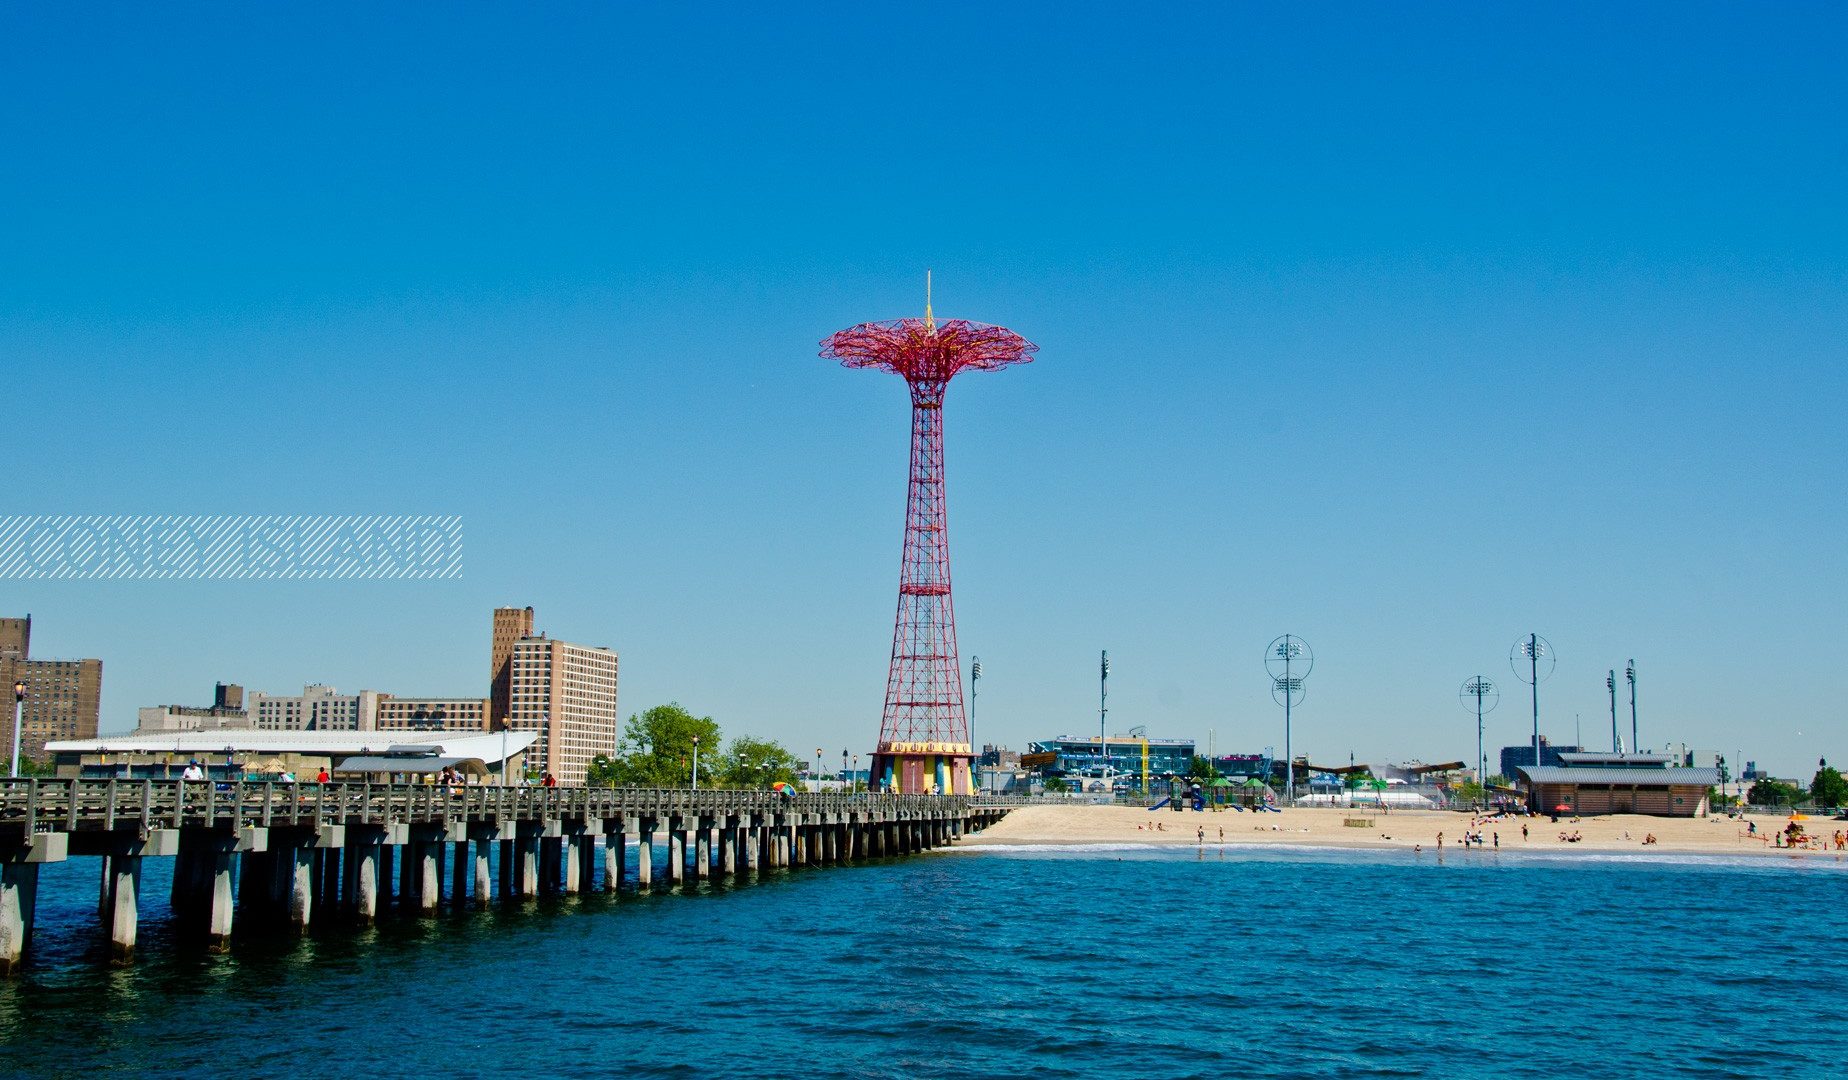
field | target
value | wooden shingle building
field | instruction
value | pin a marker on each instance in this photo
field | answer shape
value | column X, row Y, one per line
column 1588, row 783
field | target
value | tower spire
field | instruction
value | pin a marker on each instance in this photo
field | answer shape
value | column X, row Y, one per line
column 930, row 321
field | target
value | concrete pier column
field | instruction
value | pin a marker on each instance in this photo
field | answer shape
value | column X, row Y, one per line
column 676, row 855
column 644, row 856
column 219, row 897
column 753, row 842
column 18, row 899
column 301, row 886
column 484, row 876
column 429, row 875
column 526, row 870
column 728, row 853
column 702, row 853
column 124, row 913
column 574, row 863
column 831, row 843
column 368, row 863
column 506, row 868
column 102, row 892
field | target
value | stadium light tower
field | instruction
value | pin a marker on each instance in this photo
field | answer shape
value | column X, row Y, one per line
column 1629, row 672
column 1480, row 694
column 1289, row 660
column 924, row 734
column 1533, row 662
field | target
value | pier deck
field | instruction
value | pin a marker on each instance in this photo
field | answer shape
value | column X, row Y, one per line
column 280, row 856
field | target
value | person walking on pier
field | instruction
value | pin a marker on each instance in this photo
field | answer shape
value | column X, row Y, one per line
column 192, row 772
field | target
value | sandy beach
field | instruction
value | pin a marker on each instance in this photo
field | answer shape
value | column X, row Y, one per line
column 1330, row 827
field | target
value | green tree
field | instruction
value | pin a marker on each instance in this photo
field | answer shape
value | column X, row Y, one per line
column 1498, row 780
column 756, row 763
column 1469, row 791
column 1773, row 793
column 1829, row 788
column 602, row 772
column 658, row 747
column 1201, row 768
column 1056, row 784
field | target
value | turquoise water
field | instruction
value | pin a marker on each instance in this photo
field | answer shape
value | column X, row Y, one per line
column 1082, row 962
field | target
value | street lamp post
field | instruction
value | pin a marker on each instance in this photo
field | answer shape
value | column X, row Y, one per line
column 975, row 682
column 696, row 763
column 19, row 706
column 818, row 768
column 853, row 778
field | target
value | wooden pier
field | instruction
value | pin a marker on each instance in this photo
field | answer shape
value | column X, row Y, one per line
column 280, row 856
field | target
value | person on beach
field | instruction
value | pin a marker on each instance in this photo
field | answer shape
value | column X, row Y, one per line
column 1440, row 841
column 1497, row 837
column 1523, row 832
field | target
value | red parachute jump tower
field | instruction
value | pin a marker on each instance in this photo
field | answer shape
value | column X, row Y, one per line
column 924, row 735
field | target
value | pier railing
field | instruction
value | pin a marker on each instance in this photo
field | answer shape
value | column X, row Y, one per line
column 42, row 805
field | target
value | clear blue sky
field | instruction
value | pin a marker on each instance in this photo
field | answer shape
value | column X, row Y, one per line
column 1405, row 328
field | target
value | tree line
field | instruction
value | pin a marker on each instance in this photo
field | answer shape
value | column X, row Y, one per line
column 657, row 749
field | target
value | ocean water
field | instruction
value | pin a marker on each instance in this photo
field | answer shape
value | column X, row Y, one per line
column 1041, row 962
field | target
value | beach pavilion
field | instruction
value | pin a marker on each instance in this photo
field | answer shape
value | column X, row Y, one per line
column 1587, row 783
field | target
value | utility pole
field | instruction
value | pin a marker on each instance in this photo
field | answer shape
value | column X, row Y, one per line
column 1103, row 710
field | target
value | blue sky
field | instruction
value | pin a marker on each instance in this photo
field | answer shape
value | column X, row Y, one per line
column 1407, row 329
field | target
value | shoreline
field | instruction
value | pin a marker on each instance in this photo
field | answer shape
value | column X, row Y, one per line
column 1410, row 831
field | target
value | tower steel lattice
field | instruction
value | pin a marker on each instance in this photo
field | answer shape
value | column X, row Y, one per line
column 924, row 733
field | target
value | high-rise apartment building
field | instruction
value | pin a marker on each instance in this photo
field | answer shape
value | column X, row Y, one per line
column 566, row 695
column 510, row 625
column 63, row 697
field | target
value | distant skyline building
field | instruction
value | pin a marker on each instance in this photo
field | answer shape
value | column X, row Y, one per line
column 63, row 697
column 225, row 712
column 510, row 625
column 447, row 714
column 565, row 694
column 1519, row 757
column 317, row 708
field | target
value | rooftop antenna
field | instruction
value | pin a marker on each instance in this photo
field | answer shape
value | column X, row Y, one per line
column 930, row 321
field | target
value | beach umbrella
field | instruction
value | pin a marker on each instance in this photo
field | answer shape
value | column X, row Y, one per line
column 1563, row 808
column 783, row 787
